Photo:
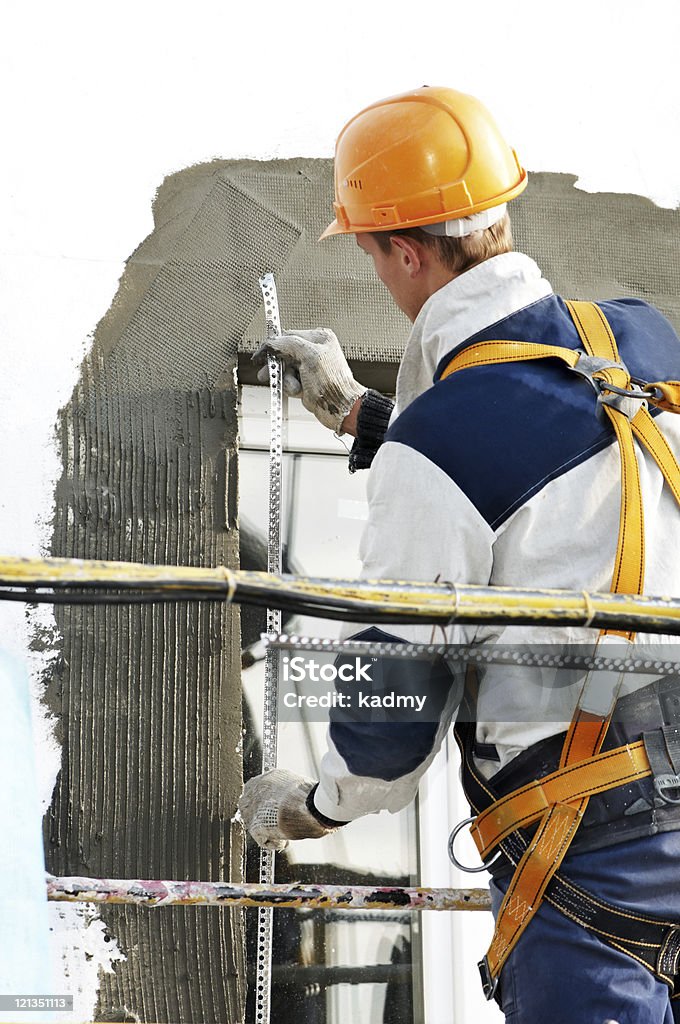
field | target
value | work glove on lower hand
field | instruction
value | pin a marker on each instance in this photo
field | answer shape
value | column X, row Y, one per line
column 316, row 370
column 274, row 809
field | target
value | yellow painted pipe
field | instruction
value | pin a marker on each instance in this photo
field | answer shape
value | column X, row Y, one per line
column 400, row 600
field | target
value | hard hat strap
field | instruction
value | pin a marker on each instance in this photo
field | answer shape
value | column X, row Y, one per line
column 461, row 227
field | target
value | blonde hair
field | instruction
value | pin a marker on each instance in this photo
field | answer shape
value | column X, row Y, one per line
column 458, row 254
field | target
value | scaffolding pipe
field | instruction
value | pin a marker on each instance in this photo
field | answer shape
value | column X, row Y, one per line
column 149, row 893
column 77, row 581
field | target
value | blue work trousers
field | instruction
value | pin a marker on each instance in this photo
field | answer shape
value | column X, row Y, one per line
column 562, row 974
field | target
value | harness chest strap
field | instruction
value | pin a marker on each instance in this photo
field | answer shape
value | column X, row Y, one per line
column 564, row 806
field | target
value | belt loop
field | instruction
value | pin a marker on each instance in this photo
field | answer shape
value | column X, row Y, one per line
column 671, row 735
column 664, row 775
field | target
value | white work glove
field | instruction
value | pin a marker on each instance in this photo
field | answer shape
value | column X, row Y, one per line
column 316, row 370
column 274, row 809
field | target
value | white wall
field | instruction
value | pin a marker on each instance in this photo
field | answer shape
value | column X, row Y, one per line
column 100, row 101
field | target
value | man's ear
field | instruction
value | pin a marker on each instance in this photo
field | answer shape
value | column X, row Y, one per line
column 409, row 252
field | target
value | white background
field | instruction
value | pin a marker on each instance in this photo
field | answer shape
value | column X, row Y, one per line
column 102, row 100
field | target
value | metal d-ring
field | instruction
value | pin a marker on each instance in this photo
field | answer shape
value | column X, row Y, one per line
column 645, row 391
column 664, row 782
column 454, row 859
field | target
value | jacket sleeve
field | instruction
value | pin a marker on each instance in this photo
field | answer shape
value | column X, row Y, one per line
column 420, row 527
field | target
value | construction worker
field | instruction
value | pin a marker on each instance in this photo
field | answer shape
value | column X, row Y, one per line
column 524, row 449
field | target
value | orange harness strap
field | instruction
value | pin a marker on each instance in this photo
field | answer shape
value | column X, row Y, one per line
column 558, row 802
column 524, row 806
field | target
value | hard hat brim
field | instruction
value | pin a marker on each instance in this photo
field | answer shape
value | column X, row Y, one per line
column 333, row 229
column 337, row 228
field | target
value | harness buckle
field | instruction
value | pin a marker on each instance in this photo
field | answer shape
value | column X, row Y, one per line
column 587, row 366
column 624, row 400
column 665, row 782
column 489, row 983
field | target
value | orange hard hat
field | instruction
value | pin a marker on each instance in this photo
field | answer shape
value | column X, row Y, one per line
column 421, row 158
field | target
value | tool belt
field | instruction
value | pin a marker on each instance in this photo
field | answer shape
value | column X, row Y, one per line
column 553, row 806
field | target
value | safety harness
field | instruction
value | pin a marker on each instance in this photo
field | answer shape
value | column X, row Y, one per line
column 556, row 803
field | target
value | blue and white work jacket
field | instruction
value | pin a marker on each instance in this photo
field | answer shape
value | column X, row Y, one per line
column 501, row 475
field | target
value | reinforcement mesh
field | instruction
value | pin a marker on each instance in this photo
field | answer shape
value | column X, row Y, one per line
column 255, row 216
column 190, row 321
column 600, row 246
column 588, row 246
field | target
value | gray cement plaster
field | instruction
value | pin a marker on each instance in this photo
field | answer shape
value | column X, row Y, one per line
column 148, row 696
column 600, row 246
column 588, row 246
